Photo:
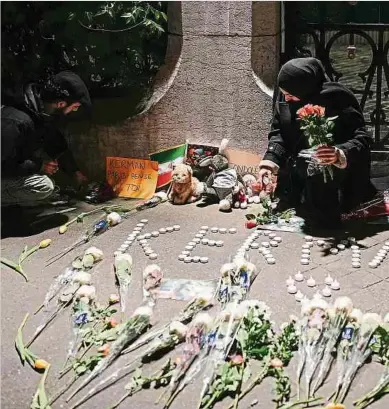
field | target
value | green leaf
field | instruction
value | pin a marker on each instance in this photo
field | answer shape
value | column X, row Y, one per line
column 250, row 216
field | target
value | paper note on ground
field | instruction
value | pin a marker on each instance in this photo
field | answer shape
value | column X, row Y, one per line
column 185, row 290
column 133, row 178
column 243, row 162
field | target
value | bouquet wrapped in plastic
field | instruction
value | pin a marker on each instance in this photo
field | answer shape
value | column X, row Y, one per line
column 317, row 128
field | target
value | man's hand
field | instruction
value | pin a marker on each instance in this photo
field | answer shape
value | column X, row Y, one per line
column 49, row 167
column 265, row 177
column 327, row 155
column 81, row 179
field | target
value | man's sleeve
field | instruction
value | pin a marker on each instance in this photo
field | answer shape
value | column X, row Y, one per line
column 276, row 153
column 12, row 136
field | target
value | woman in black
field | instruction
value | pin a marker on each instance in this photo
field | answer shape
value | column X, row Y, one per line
column 302, row 81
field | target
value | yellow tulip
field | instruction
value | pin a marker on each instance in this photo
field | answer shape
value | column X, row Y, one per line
column 44, row 243
column 63, row 229
column 41, row 364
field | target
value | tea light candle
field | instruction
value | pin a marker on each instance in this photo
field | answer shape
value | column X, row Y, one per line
column 308, row 238
column 232, row 230
column 306, row 251
column 354, row 247
column 311, row 282
column 321, row 243
column 386, row 248
column 292, row 289
column 181, row 257
column 162, row 230
column 144, row 241
column 273, row 243
column 334, row 251
column 265, row 244
column 169, row 229
column 148, row 252
column 326, row 292
column 204, row 260
column 136, row 233
column 278, row 239
column 373, row 264
column 176, row 227
column 204, row 241
column 155, row 233
column 328, row 280
column 289, row 281
column 265, row 251
column 299, row 296
column 188, row 259
column 211, row 242
column 144, row 221
column 196, row 259
column 140, row 225
column 304, row 261
column 299, row 276
column 306, row 246
column 190, row 248
column 153, row 256
column 341, row 247
column 219, row 243
column 266, row 232
column 254, row 245
column 148, row 236
column 272, row 235
column 192, row 243
column 137, row 228
column 271, row 261
column 335, row 285
column 356, row 264
column 214, row 229
column 222, row 230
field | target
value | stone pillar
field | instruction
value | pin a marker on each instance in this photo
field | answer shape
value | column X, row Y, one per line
column 222, row 59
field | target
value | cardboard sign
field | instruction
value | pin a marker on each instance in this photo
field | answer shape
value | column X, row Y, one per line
column 134, row 178
column 244, row 162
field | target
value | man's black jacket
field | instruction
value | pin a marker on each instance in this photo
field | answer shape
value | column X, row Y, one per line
column 28, row 135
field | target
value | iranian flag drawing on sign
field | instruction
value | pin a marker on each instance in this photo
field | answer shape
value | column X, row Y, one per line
column 166, row 159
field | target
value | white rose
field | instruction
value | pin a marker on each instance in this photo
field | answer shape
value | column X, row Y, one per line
column 151, row 269
column 81, row 277
column 356, row 315
column 226, row 269
column 318, row 304
column 204, row 320
column 96, row 253
column 114, row 218
column 85, row 300
column 86, row 291
column 143, row 311
column 343, row 304
column 331, row 313
column 370, row 322
column 124, row 256
column 178, row 328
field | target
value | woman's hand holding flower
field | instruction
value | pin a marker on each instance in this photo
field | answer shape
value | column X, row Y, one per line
column 327, row 155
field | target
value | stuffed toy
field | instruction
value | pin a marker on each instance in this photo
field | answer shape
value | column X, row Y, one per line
column 252, row 190
column 223, row 181
column 184, row 187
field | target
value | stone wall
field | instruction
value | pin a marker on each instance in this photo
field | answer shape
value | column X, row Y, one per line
column 221, row 62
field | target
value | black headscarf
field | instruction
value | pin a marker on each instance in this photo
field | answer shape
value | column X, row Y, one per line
column 302, row 77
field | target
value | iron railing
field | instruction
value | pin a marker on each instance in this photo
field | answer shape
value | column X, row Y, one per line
column 371, row 84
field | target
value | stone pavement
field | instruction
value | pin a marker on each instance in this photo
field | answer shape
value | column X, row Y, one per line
column 369, row 289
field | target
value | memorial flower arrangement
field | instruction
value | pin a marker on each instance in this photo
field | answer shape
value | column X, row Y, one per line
column 136, row 325
column 381, row 349
column 317, row 128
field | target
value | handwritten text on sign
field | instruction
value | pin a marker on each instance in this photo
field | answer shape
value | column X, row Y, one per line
column 135, row 178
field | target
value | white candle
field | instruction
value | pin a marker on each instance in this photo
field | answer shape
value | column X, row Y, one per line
column 335, row 285
column 162, row 230
column 326, row 292
column 144, row 221
column 265, row 244
column 289, row 281
column 153, row 256
column 271, row 261
column 299, row 276
column 232, row 230
column 155, row 233
column 148, row 236
column 292, row 289
column 204, row 260
column 328, row 280
column 222, row 230
column 176, row 227
column 219, row 243
column 311, row 282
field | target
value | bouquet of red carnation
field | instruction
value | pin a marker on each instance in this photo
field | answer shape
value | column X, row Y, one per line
column 317, row 128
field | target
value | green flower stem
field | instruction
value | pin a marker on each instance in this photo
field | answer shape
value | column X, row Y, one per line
column 14, row 266
column 301, row 402
column 82, row 215
column 211, row 401
column 260, row 377
column 61, row 391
